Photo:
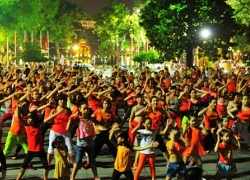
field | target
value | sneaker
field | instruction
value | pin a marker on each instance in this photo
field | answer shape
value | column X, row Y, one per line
column 135, row 165
column 191, row 163
column 86, row 166
column 14, row 157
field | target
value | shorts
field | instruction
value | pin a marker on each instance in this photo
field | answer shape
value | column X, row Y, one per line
column 176, row 168
column 226, row 170
column 80, row 152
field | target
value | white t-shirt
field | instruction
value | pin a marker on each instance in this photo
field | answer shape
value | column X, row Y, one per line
column 146, row 139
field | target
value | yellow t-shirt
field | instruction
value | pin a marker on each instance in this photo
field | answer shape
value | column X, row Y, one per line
column 123, row 160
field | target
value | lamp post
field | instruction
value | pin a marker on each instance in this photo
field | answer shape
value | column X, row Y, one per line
column 205, row 34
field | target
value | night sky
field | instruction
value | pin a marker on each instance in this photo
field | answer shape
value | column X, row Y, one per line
column 92, row 7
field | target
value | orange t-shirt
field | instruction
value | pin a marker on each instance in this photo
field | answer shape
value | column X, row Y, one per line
column 177, row 148
column 156, row 119
column 14, row 105
column 123, row 160
column 17, row 128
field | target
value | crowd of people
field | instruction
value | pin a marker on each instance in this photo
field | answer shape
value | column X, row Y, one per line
column 185, row 116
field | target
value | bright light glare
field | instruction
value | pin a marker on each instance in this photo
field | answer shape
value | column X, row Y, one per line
column 75, row 47
column 138, row 11
column 205, row 33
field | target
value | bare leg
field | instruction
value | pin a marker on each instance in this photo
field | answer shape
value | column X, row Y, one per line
column 45, row 174
column 49, row 157
column 3, row 174
column 74, row 171
column 20, row 174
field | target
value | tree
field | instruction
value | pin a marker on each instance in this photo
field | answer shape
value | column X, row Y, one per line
column 241, row 10
column 175, row 25
column 113, row 25
column 31, row 53
column 63, row 27
column 151, row 57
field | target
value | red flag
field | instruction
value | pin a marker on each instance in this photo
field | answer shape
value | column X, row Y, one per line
column 46, row 45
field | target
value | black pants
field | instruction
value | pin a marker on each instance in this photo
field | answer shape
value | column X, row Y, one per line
column 162, row 145
column 29, row 156
column 44, row 129
column 101, row 139
column 127, row 115
column 3, row 161
column 128, row 174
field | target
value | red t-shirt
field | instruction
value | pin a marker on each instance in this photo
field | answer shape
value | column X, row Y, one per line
column 226, row 153
column 60, row 123
column 34, row 136
column 156, row 119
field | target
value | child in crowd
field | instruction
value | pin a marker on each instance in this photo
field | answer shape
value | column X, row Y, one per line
column 123, row 161
column 62, row 166
column 225, row 146
column 85, row 141
column 149, row 153
column 193, row 134
column 175, row 146
column 35, row 145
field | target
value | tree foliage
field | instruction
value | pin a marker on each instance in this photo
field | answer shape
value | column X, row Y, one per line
column 113, row 25
column 241, row 10
column 151, row 57
column 175, row 25
column 32, row 53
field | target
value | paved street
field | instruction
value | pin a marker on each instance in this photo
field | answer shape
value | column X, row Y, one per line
column 105, row 165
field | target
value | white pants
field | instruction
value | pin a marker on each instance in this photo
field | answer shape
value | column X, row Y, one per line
column 68, row 142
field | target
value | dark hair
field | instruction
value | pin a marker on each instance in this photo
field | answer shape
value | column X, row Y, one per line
column 35, row 119
column 139, row 95
column 223, row 132
column 58, row 140
column 124, row 135
column 194, row 173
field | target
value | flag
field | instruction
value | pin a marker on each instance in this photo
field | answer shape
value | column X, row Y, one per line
column 46, row 44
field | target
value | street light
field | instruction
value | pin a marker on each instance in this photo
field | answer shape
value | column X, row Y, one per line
column 205, row 33
column 75, row 47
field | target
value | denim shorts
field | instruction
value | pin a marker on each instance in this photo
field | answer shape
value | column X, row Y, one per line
column 226, row 170
column 80, row 152
column 176, row 168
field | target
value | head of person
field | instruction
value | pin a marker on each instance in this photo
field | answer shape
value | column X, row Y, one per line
column 35, row 95
column 147, row 123
column 244, row 100
column 139, row 98
column 194, row 173
column 192, row 93
column 24, row 107
column 158, row 93
column 193, row 120
column 225, row 121
column 32, row 118
column 62, row 100
column 84, row 109
column 225, row 136
column 212, row 103
column 235, row 97
column 123, row 139
column 173, row 90
column 59, row 142
column 154, row 101
column 138, row 89
column 106, row 104
column 174, row 132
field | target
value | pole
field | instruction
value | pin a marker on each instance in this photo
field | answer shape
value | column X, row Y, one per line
column 41, row 43
column 7, row 44
column 48, row 42
column 32, row 36
column 15, row 41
